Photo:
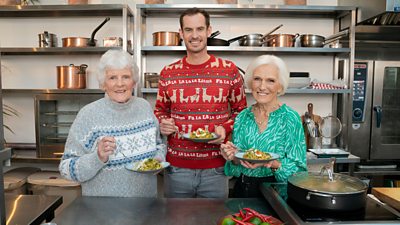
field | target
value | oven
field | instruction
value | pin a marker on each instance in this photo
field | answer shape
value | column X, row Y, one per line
column 375, row 133
column 54, row 115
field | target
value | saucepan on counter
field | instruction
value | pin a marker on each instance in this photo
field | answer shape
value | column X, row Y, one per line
column 166, row 38
column 71, row 77
column 312, row 40
column 83, row 41
column 331, row 191
column 212, row 41
column 256, row 39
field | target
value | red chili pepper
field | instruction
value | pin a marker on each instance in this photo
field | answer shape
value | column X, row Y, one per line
column 241, row 213
column 247, row 218
column 240, row 222
column 255, row 213
column 236, row 214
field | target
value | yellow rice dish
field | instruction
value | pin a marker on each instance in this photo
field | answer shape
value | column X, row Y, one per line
column 256, row 154
column 149, row 164
column 200, row 133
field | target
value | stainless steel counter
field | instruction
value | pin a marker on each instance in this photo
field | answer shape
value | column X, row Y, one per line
column 162, row 211
column 30, row 209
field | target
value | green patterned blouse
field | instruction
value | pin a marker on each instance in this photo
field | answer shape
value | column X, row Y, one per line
column 283, row 136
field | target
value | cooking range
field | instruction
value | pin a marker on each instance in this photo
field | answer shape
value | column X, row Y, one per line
column 292, row 212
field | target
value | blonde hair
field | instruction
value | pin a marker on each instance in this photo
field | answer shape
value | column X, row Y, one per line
column 283, row 73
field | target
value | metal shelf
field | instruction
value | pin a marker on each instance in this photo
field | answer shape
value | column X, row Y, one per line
column 57, row 51
column 53, row 91
column 247, row 50
column 65, row 10
column 238, row 10
column 288, row 91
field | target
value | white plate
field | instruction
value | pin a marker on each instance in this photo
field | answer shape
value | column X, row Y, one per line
column 134, row 166
column 275, row 156
column 329, row 152
column 187, row 136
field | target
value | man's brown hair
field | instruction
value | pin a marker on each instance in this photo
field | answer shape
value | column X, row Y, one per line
column 194, row 11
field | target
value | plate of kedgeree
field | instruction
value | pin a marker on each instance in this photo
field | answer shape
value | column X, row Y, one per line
column 256, row 156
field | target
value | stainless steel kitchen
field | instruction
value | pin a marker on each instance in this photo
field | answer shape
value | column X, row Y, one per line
column 343, row 66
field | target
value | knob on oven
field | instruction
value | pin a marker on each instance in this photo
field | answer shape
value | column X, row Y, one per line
column 357, row 113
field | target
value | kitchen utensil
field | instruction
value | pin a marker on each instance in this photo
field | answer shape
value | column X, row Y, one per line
column 77, row 2
column 112, row 42
column 71, row 77
column 390, row 196
column 82, row 41
column 316, row 118
column 327, row 190
column 330, row 127
column 166, row 38
column 256, row 39
column 47, row 40
column 281, row 40
column 312, row 40
column 212, row 41
column 151, row 80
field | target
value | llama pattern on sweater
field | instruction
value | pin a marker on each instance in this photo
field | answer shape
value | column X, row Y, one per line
column 199, row 96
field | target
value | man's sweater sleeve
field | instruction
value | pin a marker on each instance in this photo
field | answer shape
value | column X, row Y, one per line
column 162, row 108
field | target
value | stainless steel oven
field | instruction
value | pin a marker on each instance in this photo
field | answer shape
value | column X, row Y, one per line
column 54, row 114
column 375, row 131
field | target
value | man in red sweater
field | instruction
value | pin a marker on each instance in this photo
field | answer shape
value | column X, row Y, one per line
column 198, row 91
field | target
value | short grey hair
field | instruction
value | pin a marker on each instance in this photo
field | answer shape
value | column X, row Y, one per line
column 116, row 59
column 283, row 72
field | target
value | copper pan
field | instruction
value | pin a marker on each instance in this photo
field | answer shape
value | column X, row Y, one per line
column 82, row 41
column 166, row 38
column 281, row 40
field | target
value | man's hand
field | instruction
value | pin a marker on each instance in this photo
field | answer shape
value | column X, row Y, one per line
column 220, row 131
column 167, row 126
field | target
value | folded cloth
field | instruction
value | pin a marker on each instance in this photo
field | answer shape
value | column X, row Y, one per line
column 335, row 84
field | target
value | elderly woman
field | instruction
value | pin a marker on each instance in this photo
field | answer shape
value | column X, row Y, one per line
column 112, row 132
column 269, row 126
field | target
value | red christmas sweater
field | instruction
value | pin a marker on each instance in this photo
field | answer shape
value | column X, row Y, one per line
column 199, row 96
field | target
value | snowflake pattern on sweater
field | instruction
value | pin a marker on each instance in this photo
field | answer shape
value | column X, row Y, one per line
column 136, row 131
column 199, row 96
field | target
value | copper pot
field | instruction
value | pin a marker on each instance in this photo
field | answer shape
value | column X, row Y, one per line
column 71, row 77
column 82, row 41
column 281, row 40
column 166, row 38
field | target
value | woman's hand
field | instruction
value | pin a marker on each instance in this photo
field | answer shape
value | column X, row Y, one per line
column 106, row 148
column 167, row 126
column 274, row 164
column 228, row 151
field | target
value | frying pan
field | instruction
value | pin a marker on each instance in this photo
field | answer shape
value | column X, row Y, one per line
column 256, row 39
column 82, row 41
column 212, row 41
column 312, row 40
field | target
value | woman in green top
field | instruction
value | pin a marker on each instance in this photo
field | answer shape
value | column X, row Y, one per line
column 269, row 126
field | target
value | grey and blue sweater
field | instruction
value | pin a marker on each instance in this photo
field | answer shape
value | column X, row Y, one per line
column 136, row 131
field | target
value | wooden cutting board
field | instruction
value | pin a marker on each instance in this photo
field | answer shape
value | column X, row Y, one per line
column 390, row 196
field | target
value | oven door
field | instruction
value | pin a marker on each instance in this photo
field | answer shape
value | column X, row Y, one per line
column 385, row 132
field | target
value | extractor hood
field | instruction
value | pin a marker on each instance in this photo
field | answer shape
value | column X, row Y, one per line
column 375, row 12
column 377, row 28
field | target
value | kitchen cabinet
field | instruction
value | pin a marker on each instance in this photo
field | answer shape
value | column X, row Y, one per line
column 63, row 12
column 29, row 71
column 144, row 50
column 236, row 20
